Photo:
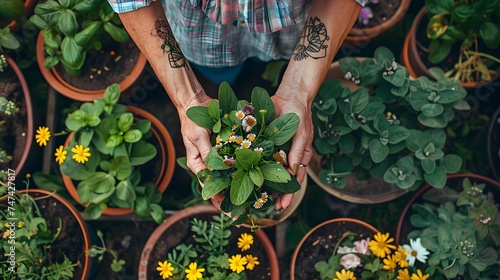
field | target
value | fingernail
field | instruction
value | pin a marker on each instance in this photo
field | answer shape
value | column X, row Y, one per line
column 295, row 168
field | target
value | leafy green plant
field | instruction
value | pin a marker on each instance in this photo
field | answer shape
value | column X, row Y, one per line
column 461, row 229
column 10, row 10
column 471, row 26
column 207, row 257
column 71, row 28
column 27, row 236
column 389, row 127
column 99, row 251
column 248, row 160
column 109, row 148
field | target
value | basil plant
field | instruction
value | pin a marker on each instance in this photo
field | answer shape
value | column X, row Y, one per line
column 71, row 28
column 391, row 126
column 248, row 160
column 119, row 147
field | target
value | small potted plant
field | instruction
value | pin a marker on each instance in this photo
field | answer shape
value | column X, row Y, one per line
column 199, row 242
column 248, row 161
column 380, row 124
column 459, row 225
column 350, row 249
column 458, row 36
column 122, row 158
column 43, row 236
column 84, row 38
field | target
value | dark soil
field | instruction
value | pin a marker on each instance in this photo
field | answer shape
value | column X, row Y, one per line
column 127, row 239
column 14, row 130
column 382, row 11
column 70, row 242
column 102, row 68
column 494, row 145
column 181, row 233
column 320, row 244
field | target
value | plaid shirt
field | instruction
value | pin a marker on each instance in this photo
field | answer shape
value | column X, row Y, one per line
column 221, row 33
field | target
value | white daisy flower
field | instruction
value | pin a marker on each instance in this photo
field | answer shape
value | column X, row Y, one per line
column 415, row 252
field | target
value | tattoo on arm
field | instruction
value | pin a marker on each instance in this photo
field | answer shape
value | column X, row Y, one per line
column 169, row 45
column 312, row 42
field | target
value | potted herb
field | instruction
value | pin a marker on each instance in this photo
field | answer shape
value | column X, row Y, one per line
column 248, row 161
column 199, row 243
column 84, row 38
column 459, row 225
column 119, row 161
column 45, row 237
column 459, row 36
column 382, row 125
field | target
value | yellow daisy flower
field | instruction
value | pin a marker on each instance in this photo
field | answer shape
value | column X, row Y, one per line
column 20, row 224
column 42, row 135
column 6, row 225
column 390, row 263
column 251, row 136
column 240, row 115
column 81, row 155
column 166, row 269
column 251, row 262
column 403, row 274
column 400, row 256
column 245, row 144
column 6, row 234
column 344, row 275
column 245, row 241
column 217, row 139
column 380, row 246
column 194, row 273
column 60, row 154
column 239, row 139
column 419, row 275
column 237, row 263
column 258, row 204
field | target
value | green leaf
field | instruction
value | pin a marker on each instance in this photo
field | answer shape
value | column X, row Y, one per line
column 83, row 190
column 263, row 104
column 439, row 6
column 12, row 9
column 282, row 128
column 451, row 163
column 428, row 165
column 143, row 126
column 157, row 213
column 86, row 137
column 227, row 99
column 125, row 191
column 200, row 116
column 398, row 78
column 214, row 185
column 72, row 53
column 132, row 136
column 114, row 140
column 432, row 109
column 438, row 51
column 101, row 182
column 378, row 152
column 67, row 22
column 50, row 62
column 241, row 187
column 214, row 161
column 274, row 172
column 8, row 40
column 434, row 122
column 121, row 167
column 118, row 34
column 50, row 183
column 94, row 211
column 490, row 32
column 383, row 55
column 141, row 206
column 358, row 100
column 112, row 94
column 213, row 110
column 152, row 193
column 142, row 152
column 347, row 144
column 246, row 158
column 39, row 22
column 291, row 187
column 437, row 178
column 398, row 133
column 74, row 170
column 256, row 176
column 87, row 6
column 125, row 121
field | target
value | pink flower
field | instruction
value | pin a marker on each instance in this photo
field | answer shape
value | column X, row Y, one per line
column 349, row 261
column 361, row 246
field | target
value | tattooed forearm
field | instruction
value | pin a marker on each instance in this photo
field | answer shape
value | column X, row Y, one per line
column 169, row 45
column 312, row 42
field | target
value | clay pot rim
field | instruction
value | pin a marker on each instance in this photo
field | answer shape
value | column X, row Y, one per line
column 422, row 190
column 167, row 169
column 61, row 86
column 79, row 219
column 29, row 113
column 365, row 34
column 192, row 211
column 310, row 232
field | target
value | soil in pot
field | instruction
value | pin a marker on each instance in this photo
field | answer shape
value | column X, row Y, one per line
column 101, row 68
column 181, row 232
column 70, row 242
column 382, row 11
column 13, row 131
column 320, row 243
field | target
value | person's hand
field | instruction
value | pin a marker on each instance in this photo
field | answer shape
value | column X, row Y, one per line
column 301, row 150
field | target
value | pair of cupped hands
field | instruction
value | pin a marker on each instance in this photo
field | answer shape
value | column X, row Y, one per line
column 197, row 140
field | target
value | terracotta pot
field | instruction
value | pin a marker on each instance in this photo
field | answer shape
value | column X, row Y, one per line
column 29, row 4
column 350, row 192
column 312, row 240
column 167, row 155
column 411, row 53
column 297, row 199
column 404, row 226
column 191, row 212
column 361, row 35
column 494, row 144
column 81, row 224
column 61, row 86
column 29, row 111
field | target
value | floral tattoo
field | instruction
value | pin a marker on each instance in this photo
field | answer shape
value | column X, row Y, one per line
column 175, row 56
column 312, row 42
